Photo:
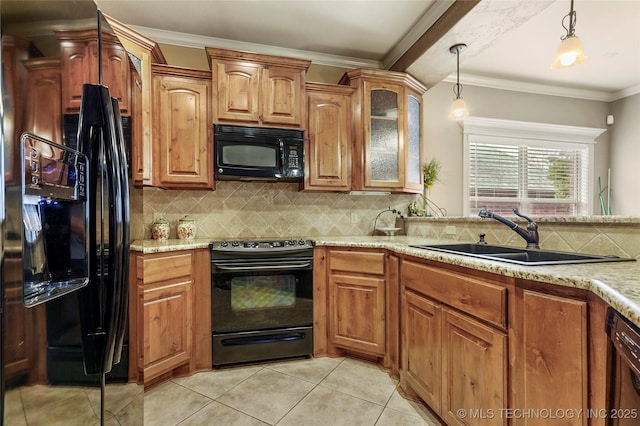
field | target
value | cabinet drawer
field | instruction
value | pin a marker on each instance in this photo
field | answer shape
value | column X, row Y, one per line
column 165, row 267
column 474, row 296
column 371, row 263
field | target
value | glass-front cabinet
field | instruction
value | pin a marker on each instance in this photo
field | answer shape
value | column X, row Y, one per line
column 387, row 133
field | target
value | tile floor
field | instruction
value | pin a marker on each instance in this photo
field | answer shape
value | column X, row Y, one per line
column 73, row 405
column 320, row 391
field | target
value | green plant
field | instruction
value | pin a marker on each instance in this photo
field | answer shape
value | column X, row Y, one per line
column 431, row 170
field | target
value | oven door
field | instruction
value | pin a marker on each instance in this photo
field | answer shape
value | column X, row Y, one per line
column 261, row 294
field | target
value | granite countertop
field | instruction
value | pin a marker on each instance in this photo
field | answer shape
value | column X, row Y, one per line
column 617, row 283
column 157, row 246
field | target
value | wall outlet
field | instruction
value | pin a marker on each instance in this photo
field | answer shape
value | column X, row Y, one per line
column 355, row 217
column 450, row 230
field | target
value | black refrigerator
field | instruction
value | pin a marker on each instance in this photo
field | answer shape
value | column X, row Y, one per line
column 64, row 214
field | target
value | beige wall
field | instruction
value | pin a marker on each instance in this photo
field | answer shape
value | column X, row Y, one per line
column 185, row 56
column 625, row 156
column 443, row 137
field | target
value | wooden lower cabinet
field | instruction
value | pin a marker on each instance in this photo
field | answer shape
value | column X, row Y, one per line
column 357, row 300
column 357, row 313
column 356, row 304
column 451, row 360
column 421, row 347
column 172, row 314
column 551, row 348
column 464, row 347
column 474, row 371
column 167, row 319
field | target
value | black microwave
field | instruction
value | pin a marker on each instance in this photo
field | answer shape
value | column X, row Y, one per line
column 258, row 153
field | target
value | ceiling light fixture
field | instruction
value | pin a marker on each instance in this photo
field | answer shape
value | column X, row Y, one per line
column 570, row 52
column 458, row 108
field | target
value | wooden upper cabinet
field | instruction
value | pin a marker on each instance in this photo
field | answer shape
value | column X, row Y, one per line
column 387, row 135
column 257, row 90
column 182, row 131
column 237, row 86
column 43, row 116
column 143, row 52
column 328, row 142
column 283, row 94
column 79, row 51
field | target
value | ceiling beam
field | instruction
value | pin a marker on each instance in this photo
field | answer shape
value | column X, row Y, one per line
column 434, row 33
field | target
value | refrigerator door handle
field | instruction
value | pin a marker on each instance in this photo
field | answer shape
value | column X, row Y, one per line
column 103, row 303
column 115, row 289
column 122, row 283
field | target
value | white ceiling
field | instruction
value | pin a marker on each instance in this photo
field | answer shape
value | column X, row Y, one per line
column 511, row 42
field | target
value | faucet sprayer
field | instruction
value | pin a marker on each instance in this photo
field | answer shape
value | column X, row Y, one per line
column 530, row 234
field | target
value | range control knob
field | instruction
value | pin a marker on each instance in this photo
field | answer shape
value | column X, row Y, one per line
column 302, row 242
column 251, row 244
column 291, row 242
column 224, row 244
column 235, row 243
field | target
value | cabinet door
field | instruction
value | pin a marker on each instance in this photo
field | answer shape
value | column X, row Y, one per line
column 166, row 318
column 76, row 63
column 357, row 313
column 328, row 162
column 182, row 152
column 414, row 176
column 421, row 347
column 474, row 369
column 552, row 353
column 282, row 96
column 139, row 156
column 44, row 118
column 383, row 147
column 237, row 85
column 115, row 72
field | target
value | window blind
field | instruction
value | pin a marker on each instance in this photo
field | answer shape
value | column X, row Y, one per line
column 534, row 176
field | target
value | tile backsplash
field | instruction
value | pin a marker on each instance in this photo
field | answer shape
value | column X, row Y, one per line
column 247, row 210
column 250, row 210
column 617, row 236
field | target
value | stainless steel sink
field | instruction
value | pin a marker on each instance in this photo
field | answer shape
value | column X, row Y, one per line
column 520, row 256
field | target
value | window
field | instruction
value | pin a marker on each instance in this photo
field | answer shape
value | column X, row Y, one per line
column 541, row 169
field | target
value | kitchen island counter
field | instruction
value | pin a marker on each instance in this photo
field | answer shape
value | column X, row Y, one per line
column 616, row 283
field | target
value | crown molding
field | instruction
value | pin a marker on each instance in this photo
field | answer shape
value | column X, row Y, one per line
column 542, row 89
column 200, row 42
column 630, row 91
column 530, row 130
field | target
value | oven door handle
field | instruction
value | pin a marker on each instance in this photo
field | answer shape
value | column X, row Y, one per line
column 279, row 267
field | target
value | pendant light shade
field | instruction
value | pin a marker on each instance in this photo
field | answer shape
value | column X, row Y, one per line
column 570, row 52
column 458, row 108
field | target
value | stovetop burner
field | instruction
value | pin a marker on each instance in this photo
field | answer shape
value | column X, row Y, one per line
column 266, row 245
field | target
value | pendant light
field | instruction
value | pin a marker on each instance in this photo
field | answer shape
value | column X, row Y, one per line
column 458, row 108
column 570, row 52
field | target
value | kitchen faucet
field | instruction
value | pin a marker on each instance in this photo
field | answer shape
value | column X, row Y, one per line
column 530, row 234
